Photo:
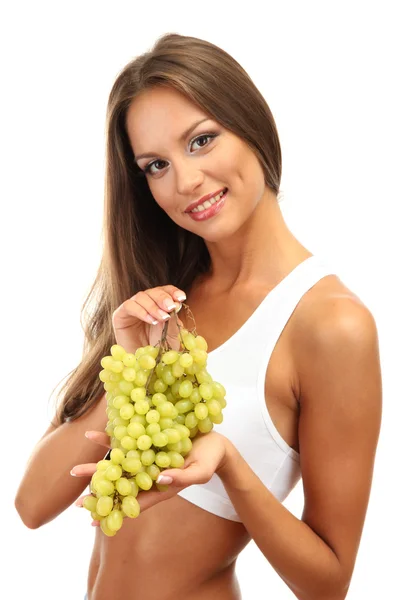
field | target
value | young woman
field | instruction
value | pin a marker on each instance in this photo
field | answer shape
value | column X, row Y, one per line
column 191, row 209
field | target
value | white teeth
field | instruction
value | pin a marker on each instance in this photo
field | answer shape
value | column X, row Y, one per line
column 207, row 203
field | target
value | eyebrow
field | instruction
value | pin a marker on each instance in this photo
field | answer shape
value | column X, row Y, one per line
column 181, row 138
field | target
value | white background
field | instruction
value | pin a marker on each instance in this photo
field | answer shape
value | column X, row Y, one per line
column 328, row 71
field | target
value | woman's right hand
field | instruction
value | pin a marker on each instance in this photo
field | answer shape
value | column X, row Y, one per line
column 133, row 320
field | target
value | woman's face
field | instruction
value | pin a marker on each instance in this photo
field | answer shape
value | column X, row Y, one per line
column 181, row 169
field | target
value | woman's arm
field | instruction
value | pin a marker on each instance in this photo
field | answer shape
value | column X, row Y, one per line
column 47, row 487
column 340, row 417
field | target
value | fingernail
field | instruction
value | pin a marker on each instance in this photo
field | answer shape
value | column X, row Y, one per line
column 164, row 479
column 87, row 434
column 181, row 297
column 73, row 474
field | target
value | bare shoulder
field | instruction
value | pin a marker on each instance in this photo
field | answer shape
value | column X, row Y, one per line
column 328, row 311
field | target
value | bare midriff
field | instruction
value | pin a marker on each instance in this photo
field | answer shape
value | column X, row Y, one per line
column 174, row 550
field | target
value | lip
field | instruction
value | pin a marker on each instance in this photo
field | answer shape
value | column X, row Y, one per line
column 203, row 199
column 210, row 212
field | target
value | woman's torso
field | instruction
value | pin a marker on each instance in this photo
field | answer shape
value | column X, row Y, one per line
column 176, row 549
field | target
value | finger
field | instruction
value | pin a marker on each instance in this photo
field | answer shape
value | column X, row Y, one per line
column 157, row 303
column 95, row 523
column 80, row 500
column 85, row 470
column 142, row 306
column 99, row 437
column 176, row 293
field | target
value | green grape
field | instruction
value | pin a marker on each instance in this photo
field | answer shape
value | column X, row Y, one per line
column 160, row 386
column 110, row 385
column 185, row 389
column 129, row 374
column 222, row 402
column 141, row 377
column 104, row 376
column 115, row 443
column 153, row 416
column 184, row 406
column 195, row 396
column 104, row 505
column 117, row 366
column 104, row 487
column 153, row 471
column 144, row 481
column 126, row 387
column 129, row 443
column 189, row 341
column 134, row 454
column 131, row 465
column 113, row 472
column 201, row 411
column 131, row 507
column 129, row 360
column 191, row 420
column 170, row 357
column 120, row 431
column 159, row 370
column 153, row 428
column 123, row 486
column 112, row 413
column 183, row 430
column 186, row 446
column 214, row 407
column 158, row 398
column 162, row 460
column 119, row 401
column 166, row 409
column 139, row 419
column 205, row 425
column 140, row 351
column 175, row 447
column 177, row 370
column 135, row 429
column 167, row 376
column 102, row 465
column 199, row 356
column 193, row 432
column 165, row 423
column 90, row 503
column 173, row 436
column 177, row 460
column 105, row 529
column 142, row 407
column 160, row 439
column 95, row 516
column 206, row 390
column 114, row 520
column 117, row 352
column 116, row 456
column 153, row 351
column 144, row 442
column 127, row 411
column 146, row 362
column 218, row 390
column 201, row 343
column 171, row 398
column 180, row 419
column 148, row 457
column 120, row 421
column 109, row 429
column 106, row 362
column 217, row 419
column 134, row 487
column 115, row 377
column 186, row 360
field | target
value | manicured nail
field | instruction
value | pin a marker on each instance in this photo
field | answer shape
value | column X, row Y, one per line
column 164, row 479
column 73, row 474
column 181, row 297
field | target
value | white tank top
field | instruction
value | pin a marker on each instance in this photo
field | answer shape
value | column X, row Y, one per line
column 247, row 422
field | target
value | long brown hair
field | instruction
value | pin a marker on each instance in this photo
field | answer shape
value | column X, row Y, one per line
column 135, row 255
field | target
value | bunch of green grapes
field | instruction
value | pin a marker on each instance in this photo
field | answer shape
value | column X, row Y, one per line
column 158, row 400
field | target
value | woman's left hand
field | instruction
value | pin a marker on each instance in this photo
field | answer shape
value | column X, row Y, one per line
column 206, row 457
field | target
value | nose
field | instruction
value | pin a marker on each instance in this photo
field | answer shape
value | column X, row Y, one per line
column 188, row 178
